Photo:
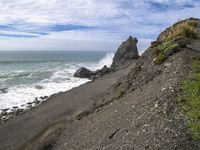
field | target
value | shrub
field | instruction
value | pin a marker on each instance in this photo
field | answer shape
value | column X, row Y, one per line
column 155, row 43
column 189, row 32
column 160, row 58
column 184, row 29
column 175, row 38
column 164, row 50
column 193, row 23
column 157, row 51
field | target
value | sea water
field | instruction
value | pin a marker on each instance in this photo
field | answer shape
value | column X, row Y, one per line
column 27, row 75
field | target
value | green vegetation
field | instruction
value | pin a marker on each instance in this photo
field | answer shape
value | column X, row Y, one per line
column 160, row 59
column 155, row 43
column 184, row 29
column 173, row 40
column 164, row 50
column 191, row 100
column 167, row 46
column 193, row 23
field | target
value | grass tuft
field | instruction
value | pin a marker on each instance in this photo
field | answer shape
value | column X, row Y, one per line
column 164, row 50
column 184, row 29
column 191, row 100
column 174, row 39
column 155, row 44
column 160, row 58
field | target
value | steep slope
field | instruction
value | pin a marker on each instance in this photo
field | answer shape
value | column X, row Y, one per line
column 144, row 111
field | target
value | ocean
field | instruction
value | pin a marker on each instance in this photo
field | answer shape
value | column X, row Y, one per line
column 27, row 75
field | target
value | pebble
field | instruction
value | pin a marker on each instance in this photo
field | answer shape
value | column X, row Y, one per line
column 43, row 97
column 167, row 64
column 163, row 89
column 36, row 101
column 7, row 113
column 29, row 103
column 38, row 87
column 156, row 105
column 20, row 111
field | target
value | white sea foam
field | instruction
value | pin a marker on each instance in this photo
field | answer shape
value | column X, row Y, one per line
column 107, row 60
column 61, row 80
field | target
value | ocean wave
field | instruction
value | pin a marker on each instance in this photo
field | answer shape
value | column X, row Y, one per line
column 59, row 79
column 21, row 74
column 27, row 61
column 106, row 60
column 14, row 75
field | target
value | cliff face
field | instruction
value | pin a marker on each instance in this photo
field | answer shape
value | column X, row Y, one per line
column 143, row 111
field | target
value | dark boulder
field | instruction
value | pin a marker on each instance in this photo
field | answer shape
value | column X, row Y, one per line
column 38, row 87
column 104, row 70
column 101, row 72
column 83, row 73
column 126, row 53
column 86, row 73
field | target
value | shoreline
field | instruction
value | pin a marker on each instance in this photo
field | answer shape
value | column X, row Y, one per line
column 12, row 112
column 22, row 95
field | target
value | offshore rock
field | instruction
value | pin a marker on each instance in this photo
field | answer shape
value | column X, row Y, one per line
column 126, row 53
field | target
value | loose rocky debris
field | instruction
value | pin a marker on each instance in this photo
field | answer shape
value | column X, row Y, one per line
column 8, row 113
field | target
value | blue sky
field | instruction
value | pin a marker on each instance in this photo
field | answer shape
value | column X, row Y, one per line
column 87, row 24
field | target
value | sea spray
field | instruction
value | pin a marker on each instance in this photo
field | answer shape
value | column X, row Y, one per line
column 49, row 79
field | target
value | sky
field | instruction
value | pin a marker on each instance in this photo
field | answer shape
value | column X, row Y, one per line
column 78, row 25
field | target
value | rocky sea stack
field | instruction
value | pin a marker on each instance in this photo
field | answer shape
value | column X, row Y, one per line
column 126, row 54
column 150, row 102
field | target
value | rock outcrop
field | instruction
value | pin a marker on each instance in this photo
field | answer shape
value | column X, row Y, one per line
column 101, row 72
column 83, row 73
column 86, row 73
column 126, row 53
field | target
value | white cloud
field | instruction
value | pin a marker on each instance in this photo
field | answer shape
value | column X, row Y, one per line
column 114, row 20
